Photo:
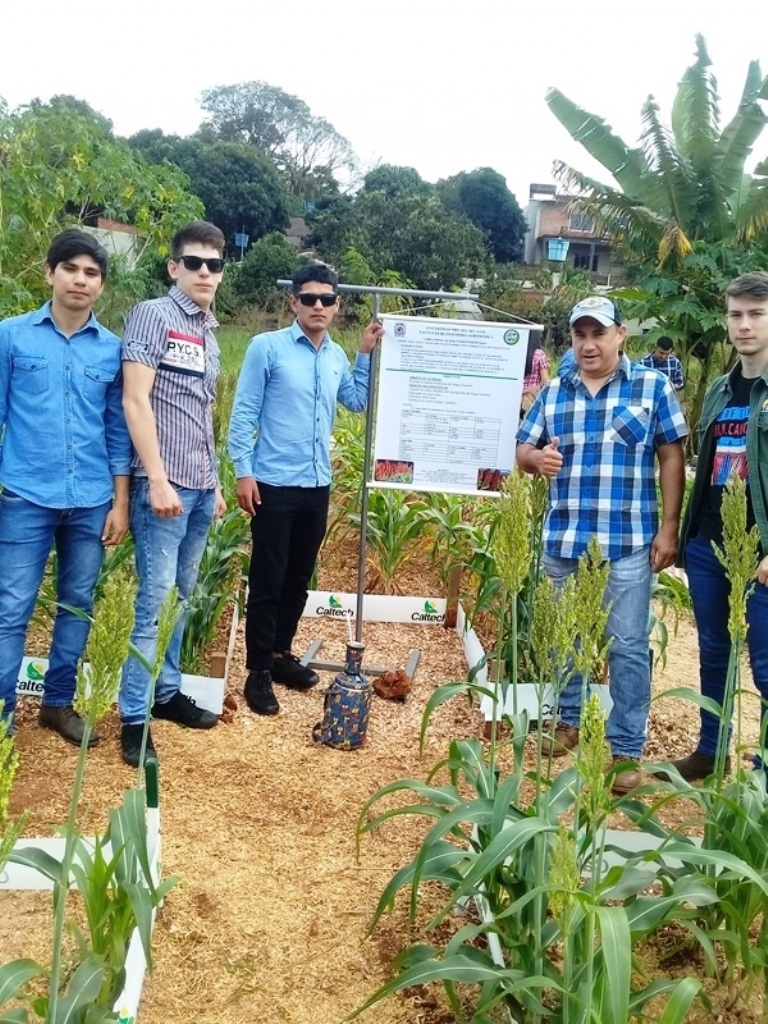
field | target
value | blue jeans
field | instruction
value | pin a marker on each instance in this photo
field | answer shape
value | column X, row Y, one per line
column 168, row 553
column 629, row 592
column 27, row 534
column 710, row 590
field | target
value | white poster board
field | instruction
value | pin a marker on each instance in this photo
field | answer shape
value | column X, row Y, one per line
column 448, row 403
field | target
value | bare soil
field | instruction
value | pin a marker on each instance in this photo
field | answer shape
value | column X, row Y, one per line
column 270, row 920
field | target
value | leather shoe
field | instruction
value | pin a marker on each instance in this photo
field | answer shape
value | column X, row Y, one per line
column 183, row 710
column 289, row 671
column 130, row 745
column 561, row 739
column 259, row 694
column 695, row 767
column 629, row 777
column 67, row 723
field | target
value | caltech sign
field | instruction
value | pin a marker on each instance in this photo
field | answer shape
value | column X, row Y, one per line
column 31, row 676
column 376, row 608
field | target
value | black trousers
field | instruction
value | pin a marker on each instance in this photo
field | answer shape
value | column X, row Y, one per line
column 287, row 532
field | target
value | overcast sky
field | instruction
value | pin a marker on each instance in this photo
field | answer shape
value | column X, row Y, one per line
column 440, row 85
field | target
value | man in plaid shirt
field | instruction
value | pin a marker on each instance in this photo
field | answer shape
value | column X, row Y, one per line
column 665, row 361
column 596, row 434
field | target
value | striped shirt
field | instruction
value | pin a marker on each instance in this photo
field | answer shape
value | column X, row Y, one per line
column 606, row 486
column 174, row 337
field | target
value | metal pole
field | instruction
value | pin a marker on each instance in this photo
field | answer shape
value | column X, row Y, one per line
column 363, row 540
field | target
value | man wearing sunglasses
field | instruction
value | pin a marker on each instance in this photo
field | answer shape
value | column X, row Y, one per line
column 170, row 368
column 286, row 396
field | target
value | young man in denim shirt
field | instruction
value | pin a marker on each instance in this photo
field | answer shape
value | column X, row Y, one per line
column 65, row 463
column 287, row 393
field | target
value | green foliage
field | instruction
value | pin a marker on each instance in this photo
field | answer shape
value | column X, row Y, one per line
column 395, row 527
column 222, row 574
column 62, row 167
column 239, row 185
column 413, row 234
column 254, row 280
column 529, row 849
column 484, row 198
column 395, row 181
column 684, row 215
column 307, row 149
column 113, row 876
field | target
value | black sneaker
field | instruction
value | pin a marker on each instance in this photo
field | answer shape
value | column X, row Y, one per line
column 183, row 710
column 259, row 694
column 289, row 671
column 130, row 744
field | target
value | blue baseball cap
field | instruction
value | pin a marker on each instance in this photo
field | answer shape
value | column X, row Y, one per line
column 604, row 310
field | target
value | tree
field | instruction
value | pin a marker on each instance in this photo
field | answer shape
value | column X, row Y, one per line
column 240, row 187
column 61, row 167
column 268, row 260
column 307, row 149
column 414, row 235
column 683, row 212
column 395, row 181
column 484, row 198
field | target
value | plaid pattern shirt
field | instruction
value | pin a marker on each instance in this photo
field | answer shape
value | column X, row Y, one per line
column 174, row 337
column 670, row 366
column 607, row 484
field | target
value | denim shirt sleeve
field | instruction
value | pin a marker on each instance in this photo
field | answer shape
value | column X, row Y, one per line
column 119, row 447
column 5, row 380
column 353, row 387
column 247, row 405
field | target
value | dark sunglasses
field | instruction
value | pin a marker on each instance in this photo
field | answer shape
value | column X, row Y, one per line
column 214, row 264
column 328, row 299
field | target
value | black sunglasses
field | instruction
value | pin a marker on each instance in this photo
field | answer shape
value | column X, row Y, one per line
column 214, row 264
column 328, row 299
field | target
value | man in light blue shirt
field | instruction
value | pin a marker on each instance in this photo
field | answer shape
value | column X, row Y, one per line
column 65, row 461
column 279, row 440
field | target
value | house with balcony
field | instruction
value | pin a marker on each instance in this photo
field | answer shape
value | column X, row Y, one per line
column 558, row 233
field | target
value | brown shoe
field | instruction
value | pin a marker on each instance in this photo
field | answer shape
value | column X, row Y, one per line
column 67, row 723
column 560, row 740
column 630, row 777
column 695, row 767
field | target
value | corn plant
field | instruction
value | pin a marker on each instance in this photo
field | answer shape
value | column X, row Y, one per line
column 221, row 576
column 565, row 926
column 733, row 860
column 117, row 888
column 348, row 454
column 395, row 533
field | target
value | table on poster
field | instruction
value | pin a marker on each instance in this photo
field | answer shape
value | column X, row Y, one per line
column 448, row 403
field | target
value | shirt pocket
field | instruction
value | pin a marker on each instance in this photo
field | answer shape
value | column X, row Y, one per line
column 97, row 379
column 630, row 425
column 30, row 374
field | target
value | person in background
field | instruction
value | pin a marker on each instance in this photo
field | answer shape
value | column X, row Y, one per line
column 567, row 362
column 665, row 361
column 65, row 463
column 171, row 365
column 732, row 440
column 536, row 371
column 596, row 434
column 286, row 399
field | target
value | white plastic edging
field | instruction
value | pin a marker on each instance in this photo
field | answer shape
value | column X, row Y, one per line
column 523, row 696
column 206, row 691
